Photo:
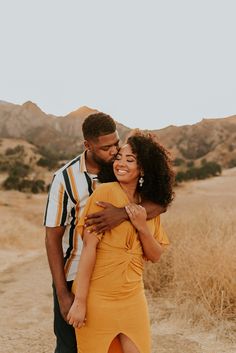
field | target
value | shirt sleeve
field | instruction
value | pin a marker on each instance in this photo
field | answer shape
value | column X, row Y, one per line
column 57, row 208
column 160, row 234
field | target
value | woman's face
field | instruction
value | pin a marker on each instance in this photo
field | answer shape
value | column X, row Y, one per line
column 125, row 166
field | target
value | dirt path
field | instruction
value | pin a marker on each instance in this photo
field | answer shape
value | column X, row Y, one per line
column 25, row 321
column 26, row 315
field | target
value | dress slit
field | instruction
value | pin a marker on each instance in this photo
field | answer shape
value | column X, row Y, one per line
column 115, row 346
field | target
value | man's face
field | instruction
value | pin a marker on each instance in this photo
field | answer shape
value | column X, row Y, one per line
column 104, row 148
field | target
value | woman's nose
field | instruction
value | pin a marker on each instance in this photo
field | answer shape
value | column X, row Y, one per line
column 121, row 162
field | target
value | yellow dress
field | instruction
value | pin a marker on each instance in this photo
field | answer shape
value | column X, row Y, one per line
column 116, row 299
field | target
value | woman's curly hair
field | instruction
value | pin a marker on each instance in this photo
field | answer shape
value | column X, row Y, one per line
column 154, row 161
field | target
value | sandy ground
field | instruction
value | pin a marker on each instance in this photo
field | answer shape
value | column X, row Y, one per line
column 25, row 291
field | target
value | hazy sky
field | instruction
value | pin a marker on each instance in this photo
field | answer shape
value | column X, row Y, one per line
column 147, row 63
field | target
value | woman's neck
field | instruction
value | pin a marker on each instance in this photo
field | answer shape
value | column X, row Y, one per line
column 131, row 192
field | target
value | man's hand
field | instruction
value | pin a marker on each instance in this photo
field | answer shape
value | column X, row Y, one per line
column 106, row 219
column 65, row 301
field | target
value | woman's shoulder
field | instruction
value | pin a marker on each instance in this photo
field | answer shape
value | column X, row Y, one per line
column 106, row 187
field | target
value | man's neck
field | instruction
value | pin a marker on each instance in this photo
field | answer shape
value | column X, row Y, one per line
column 91, row 166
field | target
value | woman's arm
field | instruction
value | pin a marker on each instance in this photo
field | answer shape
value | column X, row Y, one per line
column 151, row 247
column 77, row 312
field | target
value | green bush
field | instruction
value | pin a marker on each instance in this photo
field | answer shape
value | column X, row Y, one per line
column 178, row 161
column 24, row 185
column 59, row 154
column 34, row 186
column 211, row 168
column 190, row 164
column 38, row 186
column 232, row 163
column 4, row 165
column 207, row 170
column 47, row 163
column 11, row 183
column 16, row 150
column 19, row 170
column 195, row 149
column 17, row 179
column 180, row 176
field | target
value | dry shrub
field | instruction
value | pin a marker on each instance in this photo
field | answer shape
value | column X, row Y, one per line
column 159, row 276
column 205, row 261
column 199, row 269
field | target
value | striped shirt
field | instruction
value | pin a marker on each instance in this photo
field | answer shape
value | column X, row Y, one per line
column 70, row 188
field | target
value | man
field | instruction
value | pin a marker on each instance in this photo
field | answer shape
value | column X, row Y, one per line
column 70, row 189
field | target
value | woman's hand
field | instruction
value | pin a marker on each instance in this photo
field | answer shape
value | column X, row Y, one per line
column 151, row 248
column 137, row 215
column 76, row 315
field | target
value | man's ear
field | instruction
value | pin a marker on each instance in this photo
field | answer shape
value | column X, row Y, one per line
column 86, row 144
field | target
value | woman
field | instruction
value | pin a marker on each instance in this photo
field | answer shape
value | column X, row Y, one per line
column 109, row 295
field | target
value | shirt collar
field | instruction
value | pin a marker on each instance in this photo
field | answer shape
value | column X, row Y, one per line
column 82, row 162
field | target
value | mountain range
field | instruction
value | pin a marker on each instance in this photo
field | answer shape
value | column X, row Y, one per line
column 209, row 139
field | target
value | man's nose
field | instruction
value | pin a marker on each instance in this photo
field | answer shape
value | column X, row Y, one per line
column 113, row 150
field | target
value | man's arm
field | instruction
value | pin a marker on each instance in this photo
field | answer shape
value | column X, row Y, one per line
column 153, row 209
column 112, row 216
column 53, row 242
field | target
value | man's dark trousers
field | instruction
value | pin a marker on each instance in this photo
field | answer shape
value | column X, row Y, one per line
column 65, row 333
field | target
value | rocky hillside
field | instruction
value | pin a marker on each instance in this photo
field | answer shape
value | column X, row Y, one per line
column 210, row 139
column 60, row 134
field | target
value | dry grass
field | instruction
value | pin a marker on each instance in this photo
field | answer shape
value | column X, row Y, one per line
column 196, row 277
column 21, row 220
column 199, row 269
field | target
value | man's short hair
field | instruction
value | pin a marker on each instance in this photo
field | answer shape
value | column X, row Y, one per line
column 98, row 124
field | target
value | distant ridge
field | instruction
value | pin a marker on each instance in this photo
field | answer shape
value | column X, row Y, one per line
column 30, row 123
column 81, row 112
column 4, row 102
column 210, row 139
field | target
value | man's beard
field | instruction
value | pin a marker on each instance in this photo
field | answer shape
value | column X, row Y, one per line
column 105, row 173
column 100, row 162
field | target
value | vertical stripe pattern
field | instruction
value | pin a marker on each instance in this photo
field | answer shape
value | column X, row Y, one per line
column 69, row 191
